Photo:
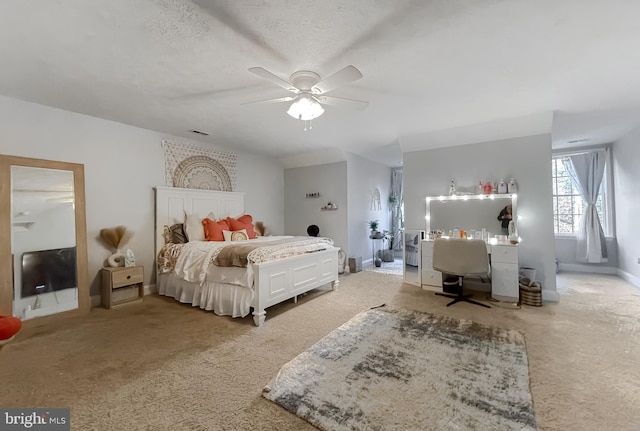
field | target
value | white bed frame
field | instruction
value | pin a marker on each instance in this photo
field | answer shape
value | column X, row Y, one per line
column 274, row 282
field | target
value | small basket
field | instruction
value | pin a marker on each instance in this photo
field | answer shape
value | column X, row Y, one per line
column 530, row 292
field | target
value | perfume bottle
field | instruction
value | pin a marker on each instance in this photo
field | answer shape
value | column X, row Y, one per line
column 502, row 186
column 452, row 188
column 488, row 188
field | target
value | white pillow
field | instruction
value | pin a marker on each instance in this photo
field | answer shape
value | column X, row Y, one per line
column 193, row 226
column 236, row 235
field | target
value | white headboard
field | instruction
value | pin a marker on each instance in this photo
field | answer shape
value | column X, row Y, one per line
column 173, row 202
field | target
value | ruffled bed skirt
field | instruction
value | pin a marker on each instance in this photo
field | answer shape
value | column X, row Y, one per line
column 221, row 298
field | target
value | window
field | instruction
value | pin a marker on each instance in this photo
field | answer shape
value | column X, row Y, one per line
column 568, row 203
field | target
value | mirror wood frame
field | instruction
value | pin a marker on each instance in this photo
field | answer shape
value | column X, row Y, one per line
column 6, row 261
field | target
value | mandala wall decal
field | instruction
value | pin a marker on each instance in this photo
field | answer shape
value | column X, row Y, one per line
column 201, row 172
column 195, row 166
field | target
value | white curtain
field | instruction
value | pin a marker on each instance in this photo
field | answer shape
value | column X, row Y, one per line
column 586, row 171
column 396, row 208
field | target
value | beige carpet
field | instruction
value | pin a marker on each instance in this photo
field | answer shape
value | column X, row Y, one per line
column 162, row 365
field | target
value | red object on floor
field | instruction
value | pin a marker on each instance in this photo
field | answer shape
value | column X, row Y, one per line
column 9, row 327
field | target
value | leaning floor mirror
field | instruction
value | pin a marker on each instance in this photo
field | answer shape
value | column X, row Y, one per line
column 43, row 243
column 412, row 240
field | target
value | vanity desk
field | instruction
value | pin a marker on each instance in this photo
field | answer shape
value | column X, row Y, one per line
column 504, row 270
column 477, row 214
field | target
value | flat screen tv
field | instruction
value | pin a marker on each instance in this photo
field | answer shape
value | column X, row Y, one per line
column 48, row 271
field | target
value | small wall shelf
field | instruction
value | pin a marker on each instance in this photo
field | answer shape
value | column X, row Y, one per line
column 328, row 209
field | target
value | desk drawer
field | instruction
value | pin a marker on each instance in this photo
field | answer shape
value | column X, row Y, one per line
column 126, row 277
column 427, row 248
column 504, row 253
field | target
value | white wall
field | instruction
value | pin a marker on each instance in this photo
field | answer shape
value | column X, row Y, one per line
column 527, row 159
column 300, row 211
column 348, row 184
column 626, row 181
column 122, row 165
column 362, row 176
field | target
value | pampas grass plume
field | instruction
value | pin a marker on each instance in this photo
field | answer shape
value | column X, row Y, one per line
column 113, row 236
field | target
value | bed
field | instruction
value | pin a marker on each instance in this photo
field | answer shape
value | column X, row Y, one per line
column 275, row 276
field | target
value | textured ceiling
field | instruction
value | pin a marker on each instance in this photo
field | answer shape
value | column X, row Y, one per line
column 440, row 72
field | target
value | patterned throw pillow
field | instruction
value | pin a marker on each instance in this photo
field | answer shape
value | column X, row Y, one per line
column 166, row 235
column 177, row 234
column 236, row 235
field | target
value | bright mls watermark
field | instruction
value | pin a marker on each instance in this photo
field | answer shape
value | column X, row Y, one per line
column 40, row 419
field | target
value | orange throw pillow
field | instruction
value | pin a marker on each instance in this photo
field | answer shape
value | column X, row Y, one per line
column 213, row 229
column 243, row 222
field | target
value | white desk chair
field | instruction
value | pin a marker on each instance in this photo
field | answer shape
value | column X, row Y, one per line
column 461, row 257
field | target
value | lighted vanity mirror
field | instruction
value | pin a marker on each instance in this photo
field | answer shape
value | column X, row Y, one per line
column 43, row 252
column 468, row 212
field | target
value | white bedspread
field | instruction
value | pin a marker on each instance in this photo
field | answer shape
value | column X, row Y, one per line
column 196, row 256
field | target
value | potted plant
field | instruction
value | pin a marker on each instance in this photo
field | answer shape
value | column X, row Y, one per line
column 373, row 225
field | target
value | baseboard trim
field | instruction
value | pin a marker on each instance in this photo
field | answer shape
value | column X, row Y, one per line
column 573, row 267
column 629, row 277
column 550, row 295
column 150, row 289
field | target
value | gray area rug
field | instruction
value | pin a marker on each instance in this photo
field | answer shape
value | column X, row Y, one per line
column 391, row 368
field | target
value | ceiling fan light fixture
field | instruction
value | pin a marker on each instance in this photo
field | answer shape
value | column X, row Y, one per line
column 305, row 108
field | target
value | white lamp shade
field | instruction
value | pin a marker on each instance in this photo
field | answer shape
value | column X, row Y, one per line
column 305, row 108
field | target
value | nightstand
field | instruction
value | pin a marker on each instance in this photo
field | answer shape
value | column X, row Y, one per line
column 122, row 285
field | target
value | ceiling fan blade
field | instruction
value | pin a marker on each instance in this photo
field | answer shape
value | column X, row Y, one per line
column 340, row 101
column 278, row 100
column 264, row 73
column 341, row 77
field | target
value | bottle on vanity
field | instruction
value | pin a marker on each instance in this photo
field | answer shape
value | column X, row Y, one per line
column 502, row 186
column 488, row 188
column 512, row 187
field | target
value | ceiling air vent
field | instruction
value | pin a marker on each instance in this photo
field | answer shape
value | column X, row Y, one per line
column 578, row 141
column 199, row 132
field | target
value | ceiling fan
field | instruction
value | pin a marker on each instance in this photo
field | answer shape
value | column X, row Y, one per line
column 309, row 91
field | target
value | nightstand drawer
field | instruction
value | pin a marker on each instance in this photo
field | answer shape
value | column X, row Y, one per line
column 126, row 277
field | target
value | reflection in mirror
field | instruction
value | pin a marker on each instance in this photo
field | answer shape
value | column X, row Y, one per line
column 411, row 241
column 469, row 212
column 43, row 242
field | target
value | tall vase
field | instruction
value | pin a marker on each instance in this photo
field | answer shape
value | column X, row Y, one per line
column 116, row 259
